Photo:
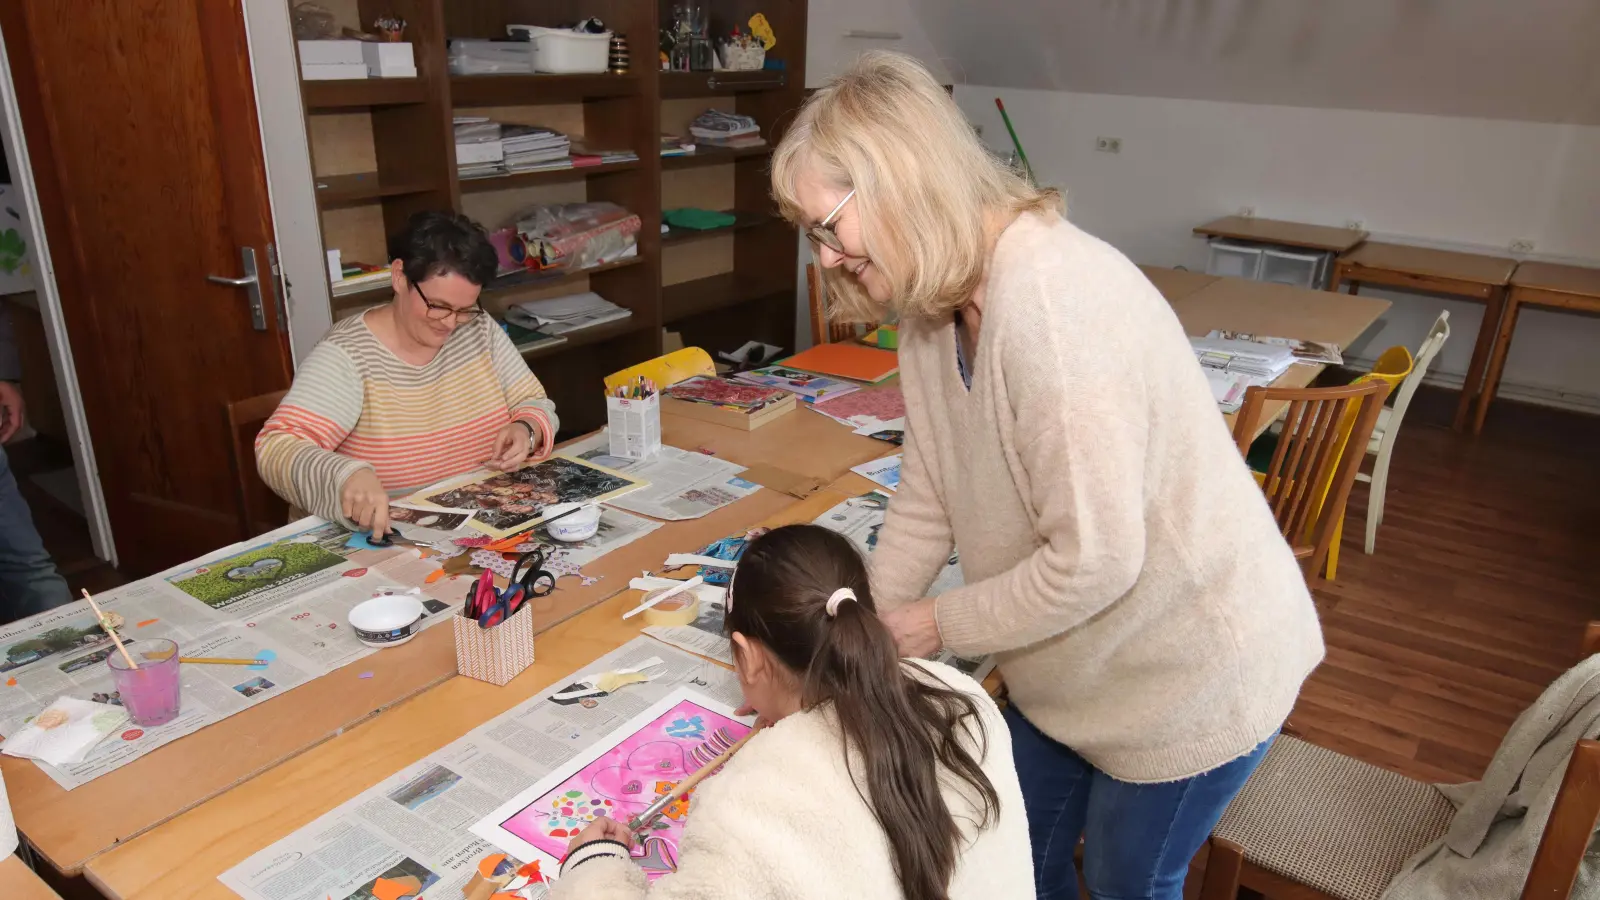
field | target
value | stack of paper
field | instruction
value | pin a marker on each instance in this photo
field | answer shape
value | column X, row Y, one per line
column 672, row 145
column 359, row 277
column 1228, row 389
column 1310, row 353
column 1261, row 361
column 529, row 148
column 560, row 315
column 584, row 155
column 479, row 150
column 810, row 387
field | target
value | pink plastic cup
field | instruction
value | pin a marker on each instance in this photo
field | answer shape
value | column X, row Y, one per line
column 150, row 692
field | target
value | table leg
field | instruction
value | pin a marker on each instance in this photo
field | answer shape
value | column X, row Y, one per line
column 1336, row 277
column 1497, row 360
column 1470, row 389
column 1355, row 288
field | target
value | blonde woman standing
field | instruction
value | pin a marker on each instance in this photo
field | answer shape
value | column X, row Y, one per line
column 1152, row 626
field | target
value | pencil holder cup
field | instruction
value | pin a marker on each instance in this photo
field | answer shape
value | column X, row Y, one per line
column 497, row 654
column 634, row 426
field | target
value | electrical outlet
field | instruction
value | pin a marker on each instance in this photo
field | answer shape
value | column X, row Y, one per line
column 1522, row 246
column 1249, row 212
column 1108, row 144
column 1355, row 225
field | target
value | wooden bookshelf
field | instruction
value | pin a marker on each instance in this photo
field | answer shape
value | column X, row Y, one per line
column 384, row 149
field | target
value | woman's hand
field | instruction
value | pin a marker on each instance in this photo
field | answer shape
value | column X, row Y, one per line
column 915, row 629
column 512, row 445
column 601, row 829
column 364, row 502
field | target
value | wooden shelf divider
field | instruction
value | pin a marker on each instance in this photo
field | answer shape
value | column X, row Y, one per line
column 367, row 92
column 742, row 221
column 526, row 90
column 713, row 156
column 547, row 176
column 365, row 187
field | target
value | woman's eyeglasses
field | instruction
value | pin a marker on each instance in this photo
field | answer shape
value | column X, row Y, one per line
column 822, row 233
column 440, row 312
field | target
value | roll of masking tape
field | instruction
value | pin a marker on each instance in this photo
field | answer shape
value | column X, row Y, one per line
column 679, row 609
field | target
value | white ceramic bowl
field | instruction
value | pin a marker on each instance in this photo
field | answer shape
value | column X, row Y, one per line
column 580, row 526
column 387, row 621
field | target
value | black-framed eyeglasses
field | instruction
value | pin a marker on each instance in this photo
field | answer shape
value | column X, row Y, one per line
column 439, row 312
column 822, row 233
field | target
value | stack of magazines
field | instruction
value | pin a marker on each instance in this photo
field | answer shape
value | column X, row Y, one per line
column 479, row 150
column 715, row 128
column 530, row 148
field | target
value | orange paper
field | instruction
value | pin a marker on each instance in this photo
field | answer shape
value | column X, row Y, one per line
column 147, row 622
column 851, row 361
column 396, row 888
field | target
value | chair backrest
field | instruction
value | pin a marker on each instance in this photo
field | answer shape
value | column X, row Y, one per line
column 1569, row 829
column 823, row 331
column 260, row 509
column 1309, row 478
column 1431, row 345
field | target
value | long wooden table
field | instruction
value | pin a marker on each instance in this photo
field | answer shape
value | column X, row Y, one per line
column 67, row 828
column 1289, row 234
column 1473, row 276
column 1278, row 310
column 1175, row 284
column 1547, row 285
column 183, row 858
column 18, row 882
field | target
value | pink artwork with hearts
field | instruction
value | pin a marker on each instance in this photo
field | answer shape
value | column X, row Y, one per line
column 624, row 780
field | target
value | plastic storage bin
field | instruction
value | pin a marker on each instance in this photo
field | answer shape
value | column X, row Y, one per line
column 562, row 52
column 1297, row 269
column 1234, row 260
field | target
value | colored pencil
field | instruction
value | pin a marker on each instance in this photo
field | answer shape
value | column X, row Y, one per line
column 222, row 661
column 688, row 784
column 108, row 629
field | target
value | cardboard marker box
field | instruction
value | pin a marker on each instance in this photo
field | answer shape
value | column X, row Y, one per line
column 733, row 418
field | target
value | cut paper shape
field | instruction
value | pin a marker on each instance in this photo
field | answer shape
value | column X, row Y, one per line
column 356, row 573
column 433, row 576
column 266, row 656
column 396, row 888
column 365, row 675
column 11, row 682
column 147, row 622
column 494, row 562
column 691, row 727
column 659, row 858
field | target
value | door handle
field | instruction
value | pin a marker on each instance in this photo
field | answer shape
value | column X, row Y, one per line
column 251, row 282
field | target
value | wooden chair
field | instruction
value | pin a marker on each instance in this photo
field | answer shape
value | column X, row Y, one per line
column 1381, row 444
column 822, row 330
column 1313, row 824
column 260, row 509
column 1309, row 477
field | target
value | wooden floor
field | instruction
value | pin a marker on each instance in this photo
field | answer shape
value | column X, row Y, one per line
column 1475, row 600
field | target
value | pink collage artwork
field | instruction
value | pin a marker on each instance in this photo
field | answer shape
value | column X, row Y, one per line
column 626, row 779
column 722, row 391
column 883, row 404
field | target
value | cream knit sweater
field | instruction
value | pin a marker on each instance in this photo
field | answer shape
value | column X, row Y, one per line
column 1119, row 556
column 784, row 820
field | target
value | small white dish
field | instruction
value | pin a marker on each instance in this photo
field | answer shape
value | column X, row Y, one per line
column 580, row 526
column 387, row 621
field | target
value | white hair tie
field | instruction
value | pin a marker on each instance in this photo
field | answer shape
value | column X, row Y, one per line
column 839, row 596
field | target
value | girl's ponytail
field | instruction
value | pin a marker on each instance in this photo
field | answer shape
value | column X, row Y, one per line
column 900, row 727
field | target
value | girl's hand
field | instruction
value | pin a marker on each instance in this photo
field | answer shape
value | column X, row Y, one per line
column 915, row 629
column 601, row 829
column 511, row 447
column 363, row 501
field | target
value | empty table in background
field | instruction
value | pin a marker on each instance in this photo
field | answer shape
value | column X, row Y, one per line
column 1284, row 234
column 1175, row 284
column 1549, row 285
column 1472, row 276
column 18, row 882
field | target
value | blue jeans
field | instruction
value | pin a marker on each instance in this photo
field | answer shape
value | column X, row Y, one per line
column 1137, row 838
column 29, row 583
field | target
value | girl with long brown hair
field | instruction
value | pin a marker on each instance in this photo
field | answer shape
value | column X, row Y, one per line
column 876, row 777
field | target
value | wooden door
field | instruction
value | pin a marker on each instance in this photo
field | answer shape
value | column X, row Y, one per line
column 140, row 121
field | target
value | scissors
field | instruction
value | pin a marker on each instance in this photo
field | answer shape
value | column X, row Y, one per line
column 529, row 578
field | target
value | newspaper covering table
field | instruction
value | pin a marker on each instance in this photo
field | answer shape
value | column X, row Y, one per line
column 284, row 597
column 683, row 484
column 858, row 519
column 415, row 823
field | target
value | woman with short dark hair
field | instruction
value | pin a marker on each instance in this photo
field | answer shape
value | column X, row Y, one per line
column 420, row 389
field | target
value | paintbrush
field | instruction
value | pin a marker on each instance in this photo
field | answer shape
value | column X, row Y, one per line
column 1015, row 142
column 643, row 820
column 108, row 629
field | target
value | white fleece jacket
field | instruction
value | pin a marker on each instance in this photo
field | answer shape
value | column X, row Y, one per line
column 783, row 820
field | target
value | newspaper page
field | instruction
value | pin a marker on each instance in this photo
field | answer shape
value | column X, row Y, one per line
column 704, row 635
column 683, row 484
column 414, row 824
column 617, row 529
column 284, row 597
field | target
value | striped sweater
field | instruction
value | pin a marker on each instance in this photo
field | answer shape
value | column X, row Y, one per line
column 355, row 405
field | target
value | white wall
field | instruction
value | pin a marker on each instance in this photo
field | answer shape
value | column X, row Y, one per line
column 1450, row 182
column 830, row 49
